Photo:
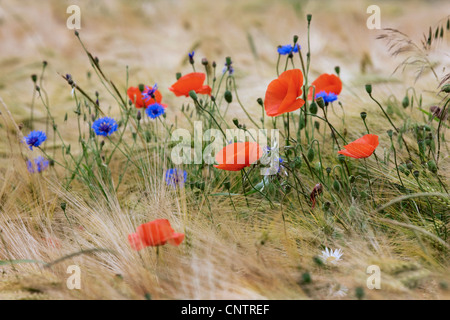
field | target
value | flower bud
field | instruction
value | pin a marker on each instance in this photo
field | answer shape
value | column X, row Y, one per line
column 338, row 70
column 205, row 62
column 295, row 39
column 139, row 116
column 34, row 78
column 178, row 75
column 337, row 185
column 405, row 102
column 141, row 87
column 236, row 122
column 193, row 95
column 389, row 132
column 309, row 17
column 310, row 154
column 313, row 108
column 260, row 102
column 446, row 88
column 369, row 88
column 363, row 115
column 228, row 96
column 416, row 173
column 432, row 166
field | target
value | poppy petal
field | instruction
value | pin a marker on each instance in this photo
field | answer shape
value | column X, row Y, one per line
column 176, row 239
column 329, row 83
column 191, row 81
column 135, row 241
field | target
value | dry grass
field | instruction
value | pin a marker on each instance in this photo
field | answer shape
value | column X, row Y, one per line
column 250, row 255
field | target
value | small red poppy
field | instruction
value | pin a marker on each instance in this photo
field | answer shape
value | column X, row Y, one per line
column 135, row 95
column 191, row 81
column 154, row 233
column 329, row 83
column 237, row 156
column 283, row 94
column 361, row 148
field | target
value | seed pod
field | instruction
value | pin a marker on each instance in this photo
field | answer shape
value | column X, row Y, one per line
column 363, row 115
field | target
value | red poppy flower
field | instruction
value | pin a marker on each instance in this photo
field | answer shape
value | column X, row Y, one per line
column 283, row 94
column 237, row 156
column 329, row 83
column 154, row 233
column 191, row 81
column 135, row 95
column 361, row 148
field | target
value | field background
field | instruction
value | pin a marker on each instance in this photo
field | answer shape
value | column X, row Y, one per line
column 153, row 39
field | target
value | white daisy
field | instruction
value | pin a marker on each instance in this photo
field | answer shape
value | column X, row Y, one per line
column 339, row 292
column 331, row 257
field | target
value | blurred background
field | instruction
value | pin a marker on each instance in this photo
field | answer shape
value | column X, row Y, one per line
column 153, row 38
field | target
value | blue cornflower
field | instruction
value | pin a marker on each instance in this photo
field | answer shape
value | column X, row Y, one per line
column 175, row 177
column 149, row 93
column 327, row 97
column 191, row 56
column 289, row 48
column 104, row 126
column 40, row 164
column 35, row 139
column 154, row 110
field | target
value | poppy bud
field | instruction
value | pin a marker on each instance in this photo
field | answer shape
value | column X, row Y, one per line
column 214, row 64
column 317, row 260
column 369, row 88
column 213, row 98
column 227, row 185
column 34, row 78
column 139, row 116
column 338, row 70
column 44, row 63
column 409, row 165
column 228, row 61
column 236, row 122
column 432, row 166
column 320, row 102
column 204, row 61
column 295, row 39
column 313, row 108
column 63, row 206
column 390, row 132
column 359, row 293
column 317, row 125
column 446, row 88
column 326, row 206
column 337, row 185
column 76, row 33
column 309, row 17
column 328, row 170
column 193, row 95
column 228, row 96
column 405, row 102
column 297, row 163
column 310, row 154
column 178, row 75
column 363, row 115
column 341, row 158
column 260, row 102
column 416, row 174
column 38, row 89
column 352, row 179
